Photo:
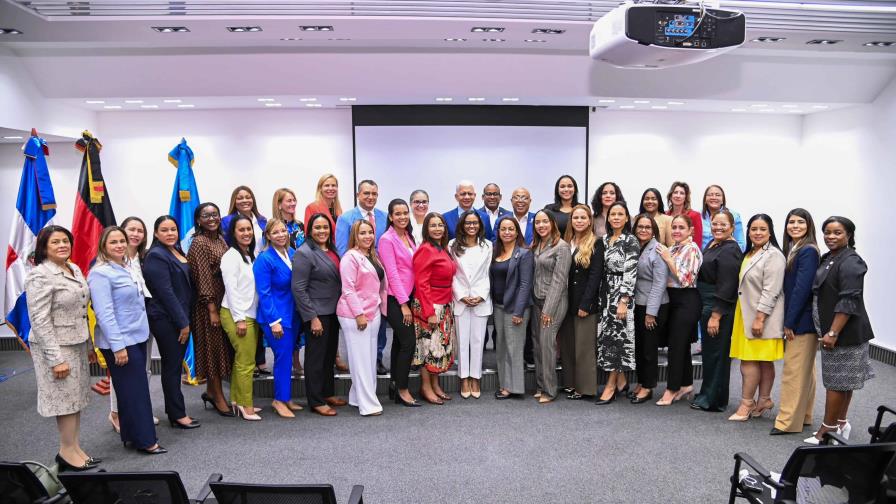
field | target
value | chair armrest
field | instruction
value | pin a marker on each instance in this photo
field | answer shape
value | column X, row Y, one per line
column 356, row 496
column 875, row 430
column 761, row 471
column 207, row 489
column 62, row 496
column 831, row 436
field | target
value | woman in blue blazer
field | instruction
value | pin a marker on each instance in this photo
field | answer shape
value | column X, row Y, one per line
column 801, row 340
column 277, row 313
column 167, row 277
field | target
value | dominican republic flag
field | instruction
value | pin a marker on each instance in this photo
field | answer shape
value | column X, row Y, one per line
column 93, row 210
column 35, row 208
column 184, row 201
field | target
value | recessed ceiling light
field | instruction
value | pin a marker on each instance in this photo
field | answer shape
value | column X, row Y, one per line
column 823, row 42
column 307, row 99
column 659, row 107
column 13, row 138
column 548, row 31
column 738, row 110
column 273, row 104
column 769, row 39
column 95, row 102
column 133, row 101
column 149, row 106
column 313, row 105
column 444, row 99
column 263, row 100
column 626, row 106
column 173, row 101
column 493, row 40
column 339, row 39
column 819, row 107
column 348, row 98
column 112, row 107
column 606, row 100
column 475, row 99
column 171, row 29
column 10, row 31
column 879, row 44
column 642, row 102
column 674, row 103
column 290, row 39
column 487, row 29
column 186, row 105
column 242, row 29
column 534, row 40
column 452, row 39
column 790, row 105
column 510, row 99
column 323, row 28
column 759, row 105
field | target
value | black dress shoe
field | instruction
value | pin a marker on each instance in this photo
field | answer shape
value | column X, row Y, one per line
column 638, row 400
column 158, row 450
column 412, row 404
column 499, row 396
column 778, row 432
column 601, row 402
column 194, row 424
column 64, row 466
column 380, row 368
column 94, row 461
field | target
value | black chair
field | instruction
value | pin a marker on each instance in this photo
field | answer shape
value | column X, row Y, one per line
column 18, row 485
column 131, row 488
column 859, row 469
column 887, row 435
column 246, row 493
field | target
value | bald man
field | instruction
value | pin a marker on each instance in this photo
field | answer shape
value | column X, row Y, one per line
column 465, row 194
column 521, row 199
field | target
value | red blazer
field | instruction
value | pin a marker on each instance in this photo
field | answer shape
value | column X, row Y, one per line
column 319, row 207
column 433, row 273
column 696, row 220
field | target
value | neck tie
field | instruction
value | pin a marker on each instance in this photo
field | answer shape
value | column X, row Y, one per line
column 372, row 220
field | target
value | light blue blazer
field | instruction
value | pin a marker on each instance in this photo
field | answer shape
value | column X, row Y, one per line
column 273, row 282
column 344, row 226
column 120, row 307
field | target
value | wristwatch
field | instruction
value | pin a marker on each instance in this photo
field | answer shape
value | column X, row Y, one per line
column 832, row 333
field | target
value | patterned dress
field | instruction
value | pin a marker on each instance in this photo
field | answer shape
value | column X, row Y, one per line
column 616, row 338
column 212, row 346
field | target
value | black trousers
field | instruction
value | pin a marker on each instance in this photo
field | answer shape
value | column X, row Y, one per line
column 172, row 353
column 713, row 394
column 320, row 357
column 681, row 326
column 529, row 347
column 404, row 342
column 646, row 343
column 259, row 352
column 132, row 392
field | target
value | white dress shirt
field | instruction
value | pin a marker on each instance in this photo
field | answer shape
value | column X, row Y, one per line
column 240, row 296
column 524, row 222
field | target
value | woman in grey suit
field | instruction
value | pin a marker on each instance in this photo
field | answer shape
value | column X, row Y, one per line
column 316, row 287
column 552, row 260
column 757, row 336
column 57, row 306
column 510, row 281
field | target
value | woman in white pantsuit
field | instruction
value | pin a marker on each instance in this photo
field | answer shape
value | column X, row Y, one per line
column 360, row 310
column 472, row 302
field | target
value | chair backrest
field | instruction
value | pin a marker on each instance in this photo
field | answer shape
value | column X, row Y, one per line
column 125, row 488
column 247, row 493
column 18, row 485
column 852, row 473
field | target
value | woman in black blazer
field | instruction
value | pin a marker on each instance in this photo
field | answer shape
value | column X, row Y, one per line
column 717, row 283
column 842, row 321
column 580, row 323
column 167, row 276
column 316, row 287
column 510, row 276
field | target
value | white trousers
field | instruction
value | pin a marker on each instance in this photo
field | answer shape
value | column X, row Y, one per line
column 361, row 349
column 470, row 330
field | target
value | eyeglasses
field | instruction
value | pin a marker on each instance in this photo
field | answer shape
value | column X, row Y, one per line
column 471, row 224
column 491, row 194
column 420, row 202
column 520, row 198
column 209, row 216
column 644, row 228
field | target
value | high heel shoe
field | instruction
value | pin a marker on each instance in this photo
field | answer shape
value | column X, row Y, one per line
column 744, row 403
column 844, row 429
column 158, row 450
column 767, row 405
column 241, row 413
column 622, row 391
column 64, row 466
column 813, row 440
column 644, row 399
column 412, row 404
column 194, row 424
column 601, row 402
column 282, row 410
column 207, row 399
column 684, row 392
column 476, row 393
column 115, row 425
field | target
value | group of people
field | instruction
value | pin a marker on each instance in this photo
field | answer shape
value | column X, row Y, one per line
column 594, row 284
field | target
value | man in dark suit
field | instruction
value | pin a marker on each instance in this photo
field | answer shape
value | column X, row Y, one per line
column 491, row 211
column 521, row 199
column 465, row 194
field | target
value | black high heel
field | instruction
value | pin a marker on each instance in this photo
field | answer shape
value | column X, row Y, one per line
column 206, row 399
column 158, row 450
column 601, row 402
column 412, row 404
column 638, row 400
column 194, row 424
column 64, row 466
column 623, row 391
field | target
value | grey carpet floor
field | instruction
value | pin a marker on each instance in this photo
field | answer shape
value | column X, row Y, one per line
column 474, row 451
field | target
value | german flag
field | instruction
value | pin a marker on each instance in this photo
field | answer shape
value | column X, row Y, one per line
column 93, row 209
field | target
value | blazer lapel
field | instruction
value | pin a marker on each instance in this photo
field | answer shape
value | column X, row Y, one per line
column 754, row 261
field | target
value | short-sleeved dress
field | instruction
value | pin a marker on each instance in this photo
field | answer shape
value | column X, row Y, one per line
column 212, row 345
column 616, row 338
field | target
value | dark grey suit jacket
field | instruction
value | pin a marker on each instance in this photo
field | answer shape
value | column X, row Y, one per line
column 316, row 285
column 518, row 288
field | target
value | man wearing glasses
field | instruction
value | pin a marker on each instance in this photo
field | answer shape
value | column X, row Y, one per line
column 491, row 211
column 465, row 194
column 520, row 200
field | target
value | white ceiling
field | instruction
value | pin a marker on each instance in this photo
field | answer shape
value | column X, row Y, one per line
column 395, row 53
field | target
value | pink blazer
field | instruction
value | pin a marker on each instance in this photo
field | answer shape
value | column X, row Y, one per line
column 362, row 291
column 398, row 262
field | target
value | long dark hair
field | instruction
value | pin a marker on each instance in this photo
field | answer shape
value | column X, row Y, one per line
column 196, row 213
column 233, row 195
column 499, row 244
column 660, row 207
column 790, row 247
column 558, row 201
column 596, row 204
column 155, row 229
column 309, row 231
column 771, row 231
column 460, row 235
column 141, row 247
column 43, row 239
column 397, row 202
column 847, row 224
column 232, row 233
column 441, row 244
column 554, row 236
column 627, row 227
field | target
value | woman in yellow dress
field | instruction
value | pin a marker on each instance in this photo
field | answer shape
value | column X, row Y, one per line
column 759, row 317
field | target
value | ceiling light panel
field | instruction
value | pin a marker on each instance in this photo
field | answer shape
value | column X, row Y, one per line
column 548, row 31
column 244, row 29
column 171, row 29
column 879, row 44
column 823, row 42
column 10, row 31
column 768, row 40
column 316, row 28
column 487, row 29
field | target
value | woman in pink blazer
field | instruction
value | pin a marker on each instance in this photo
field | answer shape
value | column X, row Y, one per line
column 396, row 250
column 359, row 310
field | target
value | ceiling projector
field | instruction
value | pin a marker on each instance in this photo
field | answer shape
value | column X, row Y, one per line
column 663, row 35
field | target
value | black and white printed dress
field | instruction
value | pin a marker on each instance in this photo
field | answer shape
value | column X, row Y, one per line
column 616, row 338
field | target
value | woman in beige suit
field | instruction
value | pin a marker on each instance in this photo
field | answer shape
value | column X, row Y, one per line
column 757, row 336
column 57, row 306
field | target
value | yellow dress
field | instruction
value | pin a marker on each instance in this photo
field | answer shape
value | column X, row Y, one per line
column 747, row 349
